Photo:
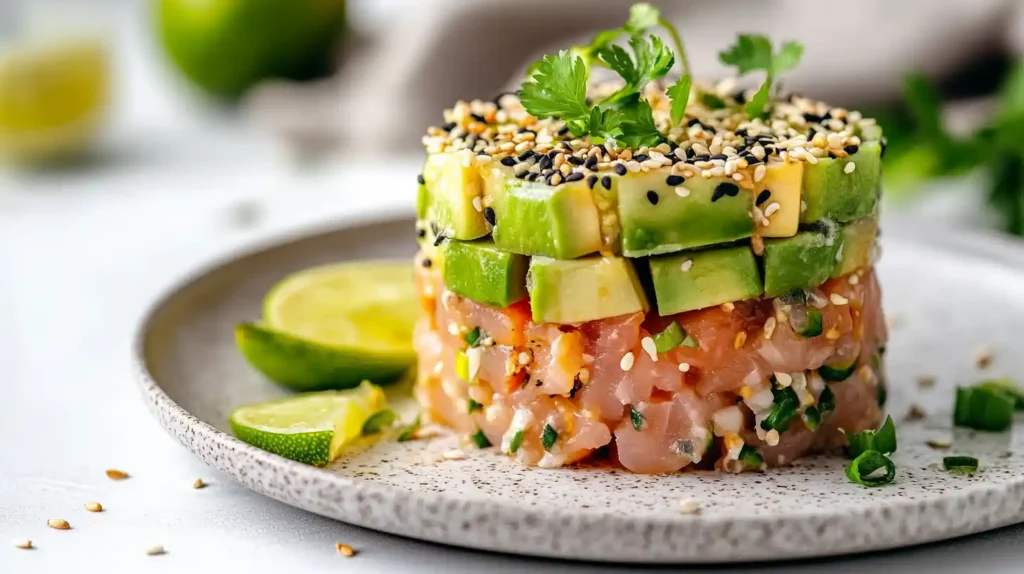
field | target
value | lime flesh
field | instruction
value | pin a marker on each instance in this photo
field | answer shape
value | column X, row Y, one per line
column 311, row 428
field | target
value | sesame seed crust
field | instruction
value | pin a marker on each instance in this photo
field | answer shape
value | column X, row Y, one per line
column 707, row 143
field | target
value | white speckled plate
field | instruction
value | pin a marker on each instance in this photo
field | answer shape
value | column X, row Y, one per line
column 946, row 295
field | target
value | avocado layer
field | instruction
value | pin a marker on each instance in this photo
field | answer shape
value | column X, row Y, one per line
column 831, row 193
column 856, row 242
column 656, row 219
column 700, row 279
column 800, row 262
column 455, row 191
column 584, row 289
column 537, row 219
column 783, row 183
column 483, row 273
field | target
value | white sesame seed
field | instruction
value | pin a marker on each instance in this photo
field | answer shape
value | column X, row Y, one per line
column 524, row 358
column 737, row 176
column 155, row 551
column 769, row 327
column 682, row 191
column 784, row 379
column 772, row 437
column 772, row 208
column 854, row 279
column 649, row 347
column 627, row 361
column 477, row 204
column 810, row 158
column 838, row 299
column 453, row 328
column 728, row 307
column 983, row 356
column 686, row 266
column 849, row 168
column 689, row 506
column 684, row 367
column 24, row 544
column 759, row 172
column 454, row 454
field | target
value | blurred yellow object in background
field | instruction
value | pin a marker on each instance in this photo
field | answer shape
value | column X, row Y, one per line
column 227, row 46
column 53, row 98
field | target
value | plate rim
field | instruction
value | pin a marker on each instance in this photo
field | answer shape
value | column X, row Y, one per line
column 358, row 501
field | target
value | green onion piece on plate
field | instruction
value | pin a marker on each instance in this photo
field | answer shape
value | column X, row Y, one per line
column 983, row 408
column 1006, row 386
column 379, row 421
column 409, row 430
column 883, row 440
column 966, row 465
column 670, row 338
column 871, row 468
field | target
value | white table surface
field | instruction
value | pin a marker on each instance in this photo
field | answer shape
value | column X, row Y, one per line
column 82, row 253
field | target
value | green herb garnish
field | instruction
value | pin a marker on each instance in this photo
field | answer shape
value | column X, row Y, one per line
column 812, row 418
column 985, row 408
column 480, row 439
column 636, row 418
column 473, row 406
column 966, row 465
column 651, row 60
column 516, row 442
column 787, row 403
column 826, row 401
column 883, row 440
column 753, row 52
column 1006, row 386
column 548, row 437
column 679, row 95
column 409, row 430
column 813, row 327
column 867, row 469
column 379, row 421
column 670, row 338
column 472, row 337
column 750, row 457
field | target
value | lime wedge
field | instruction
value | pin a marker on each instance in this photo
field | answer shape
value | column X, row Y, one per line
column 332, row 327
column 52, row 98
column 311, row 428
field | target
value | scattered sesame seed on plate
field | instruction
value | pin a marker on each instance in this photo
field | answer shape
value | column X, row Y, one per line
column 156, row 551
column 114, row 474
column 24, row 544
column 939, row 444
column 983, row 356
column 345, row 550
column 454, row 454
column 58, row 524
column 198, row 484
column 94, row 507
column 689, row 506
column 925, row 382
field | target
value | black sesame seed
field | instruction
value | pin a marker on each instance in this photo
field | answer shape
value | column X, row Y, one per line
column 439, row 239
column 851, row 149
column 740, row 97
column 591, row 181
column 427, row 262
column 421, row 233
column 478, row 118
column 690, row 153
column 749, row 140
column 620, row 169
column 532, row 176
column 720, row 156
column 763, row 197
column 526, row 130
column 702, row 157
column 574, row 176
column 641, row 157
column 489, row 215
column 545, row 162
column 693, row 122
column 591, row 163
column 573, row 160
column 724, row 189
column 449, row 126
column 606, row 182
column 420, row 180
column 567, row 146
column 813, row 118
column 884, row 144
column 508, row 161
column 652, row 196
column 526, row 155
column 674, row 180
column 522, row 175
column 742, row 132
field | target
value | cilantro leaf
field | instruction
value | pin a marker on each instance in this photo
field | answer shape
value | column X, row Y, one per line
column 679, row 94
column 753, row 52
column 638, row 127
column 642, row 17
column 557, row 88
column 651, row 60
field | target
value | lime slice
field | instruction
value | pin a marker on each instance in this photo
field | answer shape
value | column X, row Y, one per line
column 332, row 327
column 311, row 428
column 52, row 98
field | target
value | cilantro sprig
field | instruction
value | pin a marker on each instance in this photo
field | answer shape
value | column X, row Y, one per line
column 753, row 52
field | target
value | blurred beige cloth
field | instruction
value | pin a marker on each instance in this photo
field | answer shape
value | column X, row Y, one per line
column 391, row 86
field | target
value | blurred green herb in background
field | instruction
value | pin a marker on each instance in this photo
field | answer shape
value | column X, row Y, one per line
column 921, row 147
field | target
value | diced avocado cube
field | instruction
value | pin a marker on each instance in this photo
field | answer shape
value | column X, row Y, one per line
column 800, row 262
column 455, row 191
column 538, row 219
column 584, row 289
column 483, row 273
column 700, row 279
column 783, row 181
column 836, row 192
column 856, row 243
column 656, row 219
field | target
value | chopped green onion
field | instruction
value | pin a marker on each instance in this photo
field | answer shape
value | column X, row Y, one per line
column 462, row 365
column 826, row 401
column 548, row 437
column 1006, row 386
column 787, row 403
column 690, row 342
column 983, row 408
column 883, row 440
column 812, row 418
column 473, row 406
column 379, row 421
column 865, row 469
column 480, row 439
column 409, row 430
column 837, row 373
column 516, row 442
column 636, row 418
column 472, row 337
column 813, row 328
column 966, row 465
column 670, row 338
column 750, row 457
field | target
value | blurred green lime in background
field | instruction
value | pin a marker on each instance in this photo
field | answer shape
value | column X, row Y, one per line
column 227, row 46
column 53, row 98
